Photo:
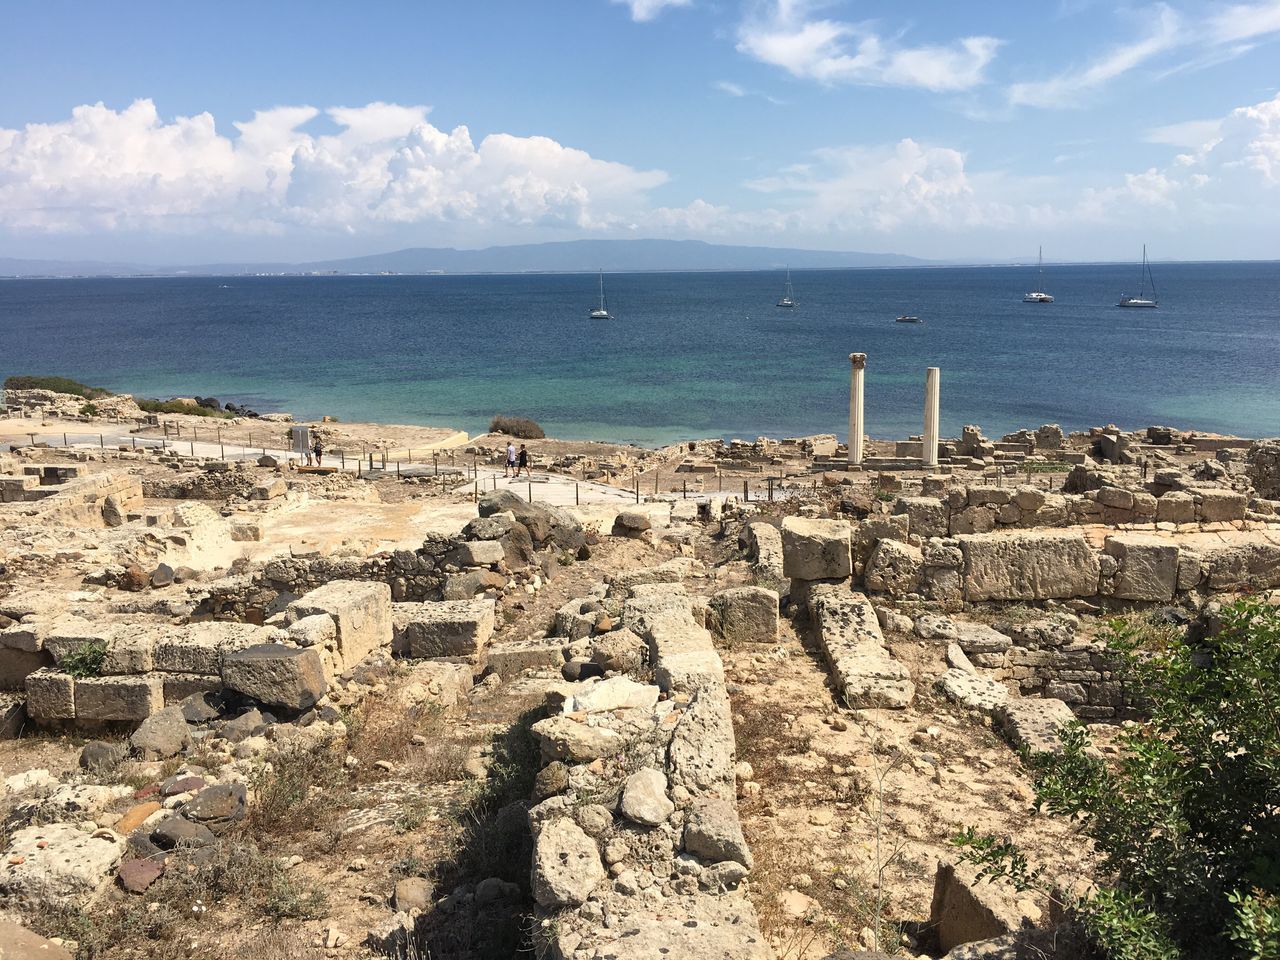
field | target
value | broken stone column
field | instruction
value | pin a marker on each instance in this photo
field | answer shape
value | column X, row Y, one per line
column 931, row 377
column 858, row 366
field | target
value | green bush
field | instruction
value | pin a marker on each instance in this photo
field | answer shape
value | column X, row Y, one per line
column 521, row 427
column 89, row 410
column 1188, row 819
column 86, row 660
column 178, row 406
column 57, row 385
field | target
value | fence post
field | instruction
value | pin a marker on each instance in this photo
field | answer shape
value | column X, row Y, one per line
column 134, row 439
column 531, row 491
column 192, row 444
column 577, row 498
column 102, row 444
column 222, row 454
column 343, row 455
column 770, row 480
column 684, row 489
column 64, row 440
column 746, row 491
column 656, row 471
column 397, row 469
column 371, row 462
column 636, row 479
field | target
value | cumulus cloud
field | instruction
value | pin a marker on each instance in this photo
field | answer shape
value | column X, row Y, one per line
column 788, row 34
column 104, row 169
column 643, row 11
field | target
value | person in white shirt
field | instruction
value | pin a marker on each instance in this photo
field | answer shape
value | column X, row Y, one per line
column 510, row 468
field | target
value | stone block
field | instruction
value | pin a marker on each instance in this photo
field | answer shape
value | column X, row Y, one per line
column 476, row 553
column 457, row 629
column 276, row 675
column 566, row 865
column 1034, row 723
column 966, row 909
column 927, row 516
column 849, row 634
column 1176, row 507
column 50, row 696
column 118, row 699
column 1221, row 505
column 1147, row 567
column 361, row 611
column 972, row 690
column 747, row 614
column 201, row 647
column 17, row 665
column 816, row 549
column 58, row 863
column 1031, row 565
column 894, row 568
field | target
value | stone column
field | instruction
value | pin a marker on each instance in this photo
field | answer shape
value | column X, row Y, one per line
column 858, row 365
column 931, row 377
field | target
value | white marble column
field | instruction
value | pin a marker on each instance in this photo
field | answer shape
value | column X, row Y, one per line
column 931, row 377
column 857, row 365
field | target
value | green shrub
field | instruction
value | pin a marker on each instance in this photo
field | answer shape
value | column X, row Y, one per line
column 86, row 660
column 178, row 406
column 521, row 427
column 89, row 410
column 57, row 385
column 1188, row 819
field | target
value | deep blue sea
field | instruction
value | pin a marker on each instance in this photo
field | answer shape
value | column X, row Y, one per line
column 687, row 355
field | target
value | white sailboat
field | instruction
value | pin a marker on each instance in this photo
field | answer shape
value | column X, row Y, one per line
column 601, row 312
column 1142, row 300
column 788, row 295
column 1038, row 295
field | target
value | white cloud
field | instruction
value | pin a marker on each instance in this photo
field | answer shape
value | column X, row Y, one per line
column 1068, row 89
column 1188, row 133
column 643, row 11
column 732, row 89
column 104, row 170
column 785, row 34
column 1244, row 21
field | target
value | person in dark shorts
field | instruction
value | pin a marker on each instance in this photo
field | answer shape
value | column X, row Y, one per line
column 318, row 449
column 522, row 462
column 510, row 468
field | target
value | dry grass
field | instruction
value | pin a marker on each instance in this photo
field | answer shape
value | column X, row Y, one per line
column 382, row 730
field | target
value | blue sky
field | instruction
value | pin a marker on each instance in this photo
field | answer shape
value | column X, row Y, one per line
column 936, row 129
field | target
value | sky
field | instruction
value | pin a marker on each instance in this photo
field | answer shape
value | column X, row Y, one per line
column 185, row 133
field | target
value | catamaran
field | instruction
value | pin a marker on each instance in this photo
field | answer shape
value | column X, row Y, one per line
column 601, row 312
column 788, row 295
column 1038, row 295
column 1142, row 300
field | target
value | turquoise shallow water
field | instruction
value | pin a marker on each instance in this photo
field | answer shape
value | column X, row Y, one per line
column 687, row 355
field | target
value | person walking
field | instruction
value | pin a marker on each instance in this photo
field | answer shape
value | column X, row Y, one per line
column 510, row 469
column 318, row 449
column 522, row 462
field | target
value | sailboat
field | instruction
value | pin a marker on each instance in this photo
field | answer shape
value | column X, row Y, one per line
column 1141, row 300
column 788, row 295
column 601, row 312
column 1038, row 295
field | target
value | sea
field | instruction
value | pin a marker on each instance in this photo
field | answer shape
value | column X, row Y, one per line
column 686, row 355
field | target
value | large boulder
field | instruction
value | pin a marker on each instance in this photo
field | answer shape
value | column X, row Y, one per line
column 566, row 865
column 1028, row 565
column 546, row 524
column 744, row 614
column 276, row 675
column 517, row 544
column 816, row 549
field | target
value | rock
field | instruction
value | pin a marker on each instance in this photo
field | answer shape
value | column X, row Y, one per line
column 137, row 874
column 218, row 807
column 566, row 865
column 113, row 514
column 616, row 693
column 413, row 893
column 459, row 629
column 579, row 669
column 551, row 779
column 816, row 549
column 476, row 553
column 1147, row 567
column 712, row 833
column 135, row 816
column 58, row 862
column 631, row 523
column 1176, row 507
column 360, row 610
column 161, row 735
column 563, row 738
column 316, row 630
column 21, row 944
column 1217, row 506
column 927, row 516
column 248, row 724
column 894, row 568
column 134, row 578
column 201, row 707
column 965, row 908
column 644, row 798
column 619, row 651
column 1034, row 723
column 276, row 675
column 1028, row 565
column 866, row 676
column 744, row 614
column 162, row 575
column 176, row 831
column 464, row 586
column 98, row 756
column 972, row 690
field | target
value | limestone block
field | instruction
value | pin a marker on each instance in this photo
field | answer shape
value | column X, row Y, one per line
column 276, row 675
column 360, row 609
column 576, row 619
column 816, row 549
column 744, row 614
column 713, row 834
column 1147, row 567
column 58, row 863
column 445, row 628
column 1034, row 723
column 977, row 519
column 318, row 630
column 972, row 690
column 966, row 909
column 927, row 516
column 1115, row 497
column 50, row 696
column 975, row 638
column 764, row 548
column 1030, row 565
column 202, row 646
column 130, row 653
column 17, row 665
column 123, row 698
column 992, row 496
column 849, row 635
column 894, row 568
column 564, row 738
column 179, row 686
column 69, row 634
column 644, row 798
column 615, row 693
column 1176, row 507
column 476, row 553
column 566, row 864
column 1221, row 505
column 269, row 489
column 1252, row 566
column 1028, row 499
column 881, row 527
column 1190, row 570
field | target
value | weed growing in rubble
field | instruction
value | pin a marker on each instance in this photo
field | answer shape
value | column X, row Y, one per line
column 1188, row 820
column 85, row 660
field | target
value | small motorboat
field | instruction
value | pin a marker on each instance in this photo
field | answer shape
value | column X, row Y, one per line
column 905, row 319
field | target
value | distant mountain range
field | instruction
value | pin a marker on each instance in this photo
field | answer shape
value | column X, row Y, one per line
column 573, row 256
